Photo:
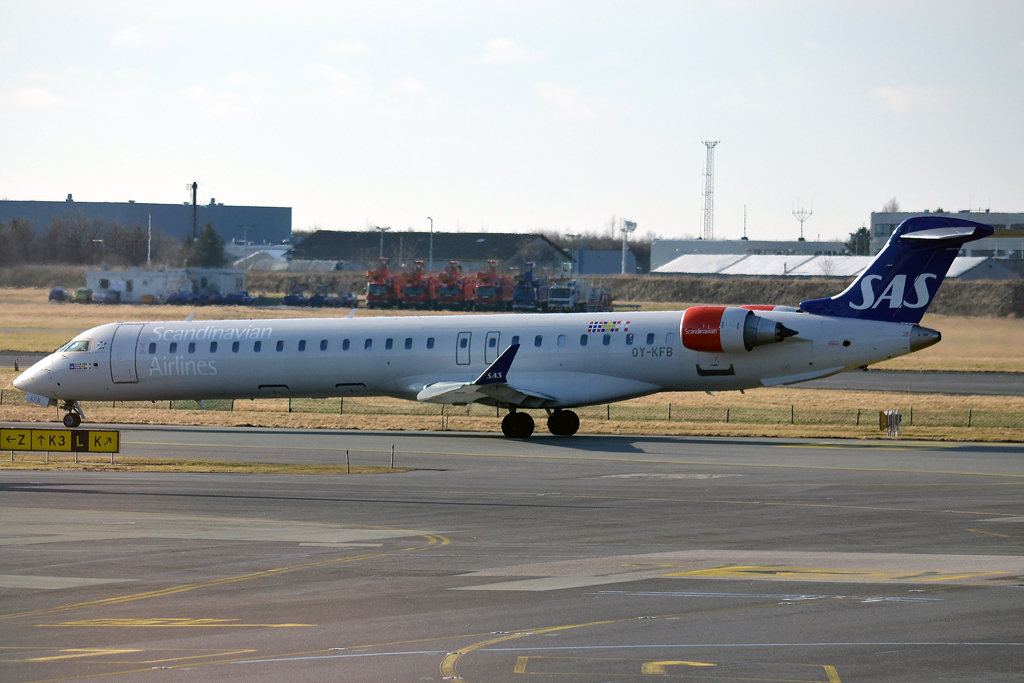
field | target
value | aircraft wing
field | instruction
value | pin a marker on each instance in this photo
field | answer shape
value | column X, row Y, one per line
column 490, row 388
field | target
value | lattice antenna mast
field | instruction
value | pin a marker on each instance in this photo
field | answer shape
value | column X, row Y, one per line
column 802, row 214
column 709, row 191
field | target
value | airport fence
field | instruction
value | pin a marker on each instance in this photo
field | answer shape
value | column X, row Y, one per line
column 623, row 412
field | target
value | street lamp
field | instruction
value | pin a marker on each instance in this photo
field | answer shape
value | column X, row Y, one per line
column 574, row 255
column 104, row 247
column 430, row 267
column 382, row 231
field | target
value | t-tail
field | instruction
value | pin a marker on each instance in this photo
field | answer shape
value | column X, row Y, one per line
column 898, row 285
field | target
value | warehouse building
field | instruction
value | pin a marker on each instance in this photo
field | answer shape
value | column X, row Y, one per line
column 664, row 251
column 257, row 224
column 1006, row 243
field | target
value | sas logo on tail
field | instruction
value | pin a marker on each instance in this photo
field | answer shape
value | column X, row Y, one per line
column 894, row 292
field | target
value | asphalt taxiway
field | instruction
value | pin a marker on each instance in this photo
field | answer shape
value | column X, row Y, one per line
column 585, row 558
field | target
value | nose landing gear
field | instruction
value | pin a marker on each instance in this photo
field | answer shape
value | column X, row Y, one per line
column 517, row 425
column 74, row 415
column 563, row 423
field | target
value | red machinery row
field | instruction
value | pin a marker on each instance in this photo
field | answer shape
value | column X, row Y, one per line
column 449, row 290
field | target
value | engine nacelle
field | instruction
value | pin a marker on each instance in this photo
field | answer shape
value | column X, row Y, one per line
column 728, row 329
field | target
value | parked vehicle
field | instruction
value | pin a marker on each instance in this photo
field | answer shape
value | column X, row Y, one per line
column 58, row 294
column 239, row 299
column 82, row 295
column 488, row 291
column 297, row 297
column 451, row 288
column 530, row 293
column 380, row 289
column 416, row 289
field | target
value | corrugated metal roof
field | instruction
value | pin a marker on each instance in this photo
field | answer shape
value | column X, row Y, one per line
column 767, row 265
column 832, row 266
column 961, row 264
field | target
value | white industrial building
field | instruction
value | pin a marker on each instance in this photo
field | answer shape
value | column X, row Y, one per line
column 130, row 286
column 664, row 251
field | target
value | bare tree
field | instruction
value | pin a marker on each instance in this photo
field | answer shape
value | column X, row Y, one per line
column 891, row 206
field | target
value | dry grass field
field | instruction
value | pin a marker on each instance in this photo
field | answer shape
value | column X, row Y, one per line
column 29, row 323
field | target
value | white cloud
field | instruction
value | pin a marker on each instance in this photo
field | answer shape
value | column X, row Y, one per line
column 348, row 49
column 339, row 83
column 35, row 98
column 569, row 104
column 129, row 36
column 411, row 85
column 508, row 51
column 904, row 100
column 221, row 105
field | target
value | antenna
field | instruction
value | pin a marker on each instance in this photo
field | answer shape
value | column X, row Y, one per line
column 802, row 214
column 627, row 228
column 709, row 191
column 744, row 221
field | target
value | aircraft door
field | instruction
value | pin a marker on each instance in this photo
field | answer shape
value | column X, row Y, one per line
column 491, row 347
column 122, row 354
column 462, row 345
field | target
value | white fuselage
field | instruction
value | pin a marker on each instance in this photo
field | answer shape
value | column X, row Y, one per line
column 625, row 355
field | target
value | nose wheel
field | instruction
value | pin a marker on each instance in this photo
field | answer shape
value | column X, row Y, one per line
column 563, row 423
column 74, row 415
column 517, row 425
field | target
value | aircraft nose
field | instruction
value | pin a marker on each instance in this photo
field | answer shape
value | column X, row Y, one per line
column 36, row 380
column 923, row 337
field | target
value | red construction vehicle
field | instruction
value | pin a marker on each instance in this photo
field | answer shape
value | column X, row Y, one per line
column 380, row 288
column 451, row 288
column 416, row 289
column 489, row 291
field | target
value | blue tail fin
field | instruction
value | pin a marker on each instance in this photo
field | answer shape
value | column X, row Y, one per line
column 900, row 282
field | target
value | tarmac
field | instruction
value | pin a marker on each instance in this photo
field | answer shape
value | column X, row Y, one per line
column 571, row 559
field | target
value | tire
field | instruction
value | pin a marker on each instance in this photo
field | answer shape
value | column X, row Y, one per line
column 563, row 423
column 517, row 425
column 526, row 425
column 72, row 420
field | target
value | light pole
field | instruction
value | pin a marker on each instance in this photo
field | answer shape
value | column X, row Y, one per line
column 149, row 242
column 382, row 231
column 573, row 263
column 430, row 266
column 103, row 262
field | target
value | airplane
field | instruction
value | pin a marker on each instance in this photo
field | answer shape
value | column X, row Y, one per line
column 553, row 362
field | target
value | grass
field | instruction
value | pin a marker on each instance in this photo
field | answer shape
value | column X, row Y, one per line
column 29, row 323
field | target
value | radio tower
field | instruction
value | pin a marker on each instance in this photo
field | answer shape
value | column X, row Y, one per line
column 709, row 191
column 802, row 214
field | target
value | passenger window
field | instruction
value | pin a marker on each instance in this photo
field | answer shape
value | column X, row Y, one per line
column 191, row 347
column 583, row 340
column 515, row 340
column 538, row 340
column 213, row 347
column 234, row 347
column 650, row 338
column 345, row 345
column 607, row 339
column 561, row 340
column 408, row 342
column 152, row 348
column 257, row 346
column 174, row 348
column 492, row 342
column 389, row 343
column 323, row 344
column 629, row 339
column 368, row 344
column 302, row 345
column 430, row 342
column 668, row 338
column 463, row 343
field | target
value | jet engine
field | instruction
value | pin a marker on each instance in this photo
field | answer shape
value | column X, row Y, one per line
column 728, row 329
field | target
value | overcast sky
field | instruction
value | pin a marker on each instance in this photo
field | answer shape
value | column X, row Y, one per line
column 521, row 115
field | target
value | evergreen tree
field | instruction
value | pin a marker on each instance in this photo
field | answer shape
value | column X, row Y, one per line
column 209, row 250
column 859, row 243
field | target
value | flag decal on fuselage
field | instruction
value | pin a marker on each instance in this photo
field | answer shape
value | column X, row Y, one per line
column 608, row 326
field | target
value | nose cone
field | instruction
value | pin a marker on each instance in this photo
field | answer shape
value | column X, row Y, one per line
column 923, row 337
column 37, row 379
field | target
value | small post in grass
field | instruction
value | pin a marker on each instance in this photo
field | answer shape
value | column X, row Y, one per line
column 392, row 456
column 348, row 465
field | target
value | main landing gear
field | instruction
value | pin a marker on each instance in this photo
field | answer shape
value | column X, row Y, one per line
column 520, row 425
column 74, row 414
column 563, row 423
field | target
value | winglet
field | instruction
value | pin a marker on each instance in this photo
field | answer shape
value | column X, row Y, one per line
column 496, row 373
column 352, row 314
column 191, row 317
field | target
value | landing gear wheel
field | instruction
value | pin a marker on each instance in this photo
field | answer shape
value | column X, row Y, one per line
column 517, row 425
column 563, row 423
column 72, row 420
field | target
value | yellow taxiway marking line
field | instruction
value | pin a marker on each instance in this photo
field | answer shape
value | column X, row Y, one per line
column 76, row 653
column 661, row 668
column 167, row 622
column 989, row 533
column 648, row 461
column 833, row 677
column 432, row 539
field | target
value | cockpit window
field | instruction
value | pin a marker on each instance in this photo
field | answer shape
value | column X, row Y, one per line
column 76, row 346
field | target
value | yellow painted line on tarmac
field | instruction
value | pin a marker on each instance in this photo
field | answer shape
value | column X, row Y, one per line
column 833, row 677
column 661, row 668
column 521, row 665
column 76, row 653
column 989, row 533
column 432, row 539
column 163, row 622
column 648, row 461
